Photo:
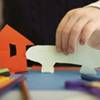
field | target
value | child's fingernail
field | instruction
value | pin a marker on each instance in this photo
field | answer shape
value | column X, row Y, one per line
column 70, row 50
column 82, row 42
column 66, row 53
column 58, row 49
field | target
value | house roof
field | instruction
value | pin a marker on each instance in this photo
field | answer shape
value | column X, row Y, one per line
column 8, row 34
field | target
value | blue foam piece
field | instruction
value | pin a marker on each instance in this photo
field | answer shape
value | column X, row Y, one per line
column 46, row 81
column 90, row 77
column 55, row 81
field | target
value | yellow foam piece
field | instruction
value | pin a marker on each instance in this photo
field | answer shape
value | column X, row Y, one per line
column 95, row 84
column 4, row 79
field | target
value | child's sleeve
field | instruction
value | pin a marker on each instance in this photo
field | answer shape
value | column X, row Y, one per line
column 95, row 4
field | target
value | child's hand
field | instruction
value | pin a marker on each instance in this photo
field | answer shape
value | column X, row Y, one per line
column 77, row 26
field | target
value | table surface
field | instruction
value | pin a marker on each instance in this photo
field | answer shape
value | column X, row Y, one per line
column 46, row 84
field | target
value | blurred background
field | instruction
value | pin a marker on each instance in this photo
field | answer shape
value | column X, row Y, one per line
column 1, row 15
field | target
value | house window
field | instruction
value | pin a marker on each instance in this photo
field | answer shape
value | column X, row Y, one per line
column 12, row 50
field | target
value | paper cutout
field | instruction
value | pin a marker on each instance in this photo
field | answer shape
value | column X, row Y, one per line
column 16, row 62
column 47, row 55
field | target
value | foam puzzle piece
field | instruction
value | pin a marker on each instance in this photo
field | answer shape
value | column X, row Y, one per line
column 12, row 50
column 47, row 55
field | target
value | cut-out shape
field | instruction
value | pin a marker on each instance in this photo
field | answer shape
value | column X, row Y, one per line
column 47, row 55
column 12, row 50
column 15, row 62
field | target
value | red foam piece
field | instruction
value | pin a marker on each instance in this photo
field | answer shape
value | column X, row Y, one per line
column 16, row 63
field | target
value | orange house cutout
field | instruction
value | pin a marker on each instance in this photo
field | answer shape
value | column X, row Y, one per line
column 12, row 50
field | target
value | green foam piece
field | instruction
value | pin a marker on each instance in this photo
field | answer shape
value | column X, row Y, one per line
column 5, row 72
